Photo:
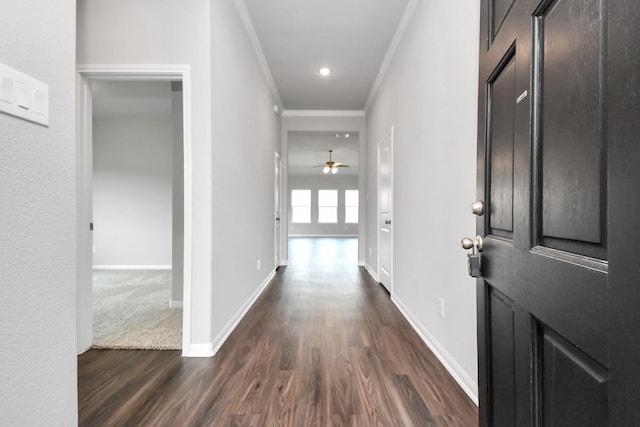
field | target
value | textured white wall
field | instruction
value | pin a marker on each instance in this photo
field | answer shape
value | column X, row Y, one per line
column 37, row 231
column 245, row 135
column 429, row 95
column 132, row 173
column 166, row 32
column 322, row 182
column 235, row 134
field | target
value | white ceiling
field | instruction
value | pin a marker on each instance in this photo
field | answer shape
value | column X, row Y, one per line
column 351, row 37
column 308, row 149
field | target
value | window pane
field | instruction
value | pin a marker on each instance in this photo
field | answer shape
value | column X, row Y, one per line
column 301, row 206
column 351, row 215
column 351, row 198
column 300, row 197
column 301, row 214
column 327, row 197
column 328, row 214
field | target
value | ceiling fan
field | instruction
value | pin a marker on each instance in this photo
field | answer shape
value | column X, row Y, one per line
column 331, row 166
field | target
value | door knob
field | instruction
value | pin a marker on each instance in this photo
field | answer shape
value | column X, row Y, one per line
column 468, row 243
column 387, row 221
column 477, row 207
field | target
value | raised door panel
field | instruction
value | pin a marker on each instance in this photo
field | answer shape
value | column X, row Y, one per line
column 500, row 145
column 572, row 122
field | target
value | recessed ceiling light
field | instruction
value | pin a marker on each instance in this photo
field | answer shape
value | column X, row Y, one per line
column 324, row 71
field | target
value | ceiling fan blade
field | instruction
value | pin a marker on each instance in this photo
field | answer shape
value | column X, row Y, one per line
column 340, row 165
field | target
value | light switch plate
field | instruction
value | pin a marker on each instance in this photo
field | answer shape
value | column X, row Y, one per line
column 23, row 96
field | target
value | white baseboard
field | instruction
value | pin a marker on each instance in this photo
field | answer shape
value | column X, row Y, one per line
column 175, row 304
column 284, row 263
column 199, row 350
column 233, row 322
column 132, row 267
column 371, row 272
column 462, row 378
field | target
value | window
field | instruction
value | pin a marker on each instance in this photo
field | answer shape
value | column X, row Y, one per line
column 327, row 206
column 301, row 206
column 351, row 202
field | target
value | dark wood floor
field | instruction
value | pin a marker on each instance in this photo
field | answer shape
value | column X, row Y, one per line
column 323, row 346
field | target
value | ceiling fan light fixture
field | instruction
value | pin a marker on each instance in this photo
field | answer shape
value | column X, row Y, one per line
column 334, row 170
column 326, row 169
column 324, row 71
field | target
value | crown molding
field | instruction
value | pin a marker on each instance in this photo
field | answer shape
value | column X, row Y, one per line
column 241, row 7
column 323, row 113
column 397, row 37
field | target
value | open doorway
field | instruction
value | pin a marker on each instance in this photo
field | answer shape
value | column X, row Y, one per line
column 134, row 186
column 323, row 188
column 137, row 214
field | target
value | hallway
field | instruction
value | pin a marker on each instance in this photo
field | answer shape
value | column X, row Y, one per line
column 323, row 345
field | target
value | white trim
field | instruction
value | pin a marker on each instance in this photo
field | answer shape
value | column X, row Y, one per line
column 132, row 267
column 277, row 209
column 129, row 72
column 371, row 272
column 397, row 37
column 175, row 304
column 323, row 113
column 233, row 322
column 323, row 235
column 241, row 7
column 462, row 378
column 198, row 350
column 284, row 263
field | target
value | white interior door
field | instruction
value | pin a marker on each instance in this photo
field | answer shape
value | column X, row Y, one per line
column 276, row 207
column 385, row 209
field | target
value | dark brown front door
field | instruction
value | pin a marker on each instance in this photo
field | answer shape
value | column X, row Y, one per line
column 559, row 174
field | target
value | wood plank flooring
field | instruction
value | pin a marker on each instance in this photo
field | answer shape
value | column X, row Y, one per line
column 323, row 346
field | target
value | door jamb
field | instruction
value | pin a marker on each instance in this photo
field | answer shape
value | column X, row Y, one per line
column 278, row 207
column 85, row 74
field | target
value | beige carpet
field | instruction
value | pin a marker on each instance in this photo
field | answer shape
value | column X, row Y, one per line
column 131, row 311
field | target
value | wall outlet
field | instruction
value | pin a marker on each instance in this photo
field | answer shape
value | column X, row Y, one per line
column 94, row 249
column 369, row 251
column 258, row 265
column 441, row 307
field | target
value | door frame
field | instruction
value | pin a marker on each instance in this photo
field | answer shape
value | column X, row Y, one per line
column 389, row 135
column 277, row 214
column 87, row 73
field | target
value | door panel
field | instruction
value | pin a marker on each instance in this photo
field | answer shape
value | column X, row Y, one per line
column 573, row 386
column 502, row 324
column 500, row 146
column 558, row 157
column 499, row 11
column 572, row 126
column 385, row 206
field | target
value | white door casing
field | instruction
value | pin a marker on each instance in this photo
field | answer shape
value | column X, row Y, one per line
column 276, row 207
column 385, row 210
column 86, row 74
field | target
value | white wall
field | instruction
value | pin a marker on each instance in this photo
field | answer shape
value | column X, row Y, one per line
column 429, row 96
column 168, row 32
column 234, row 136
column 245, row 134
column 132, row 173
column 177, row 195
column 37, row 231
column 322, row 182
